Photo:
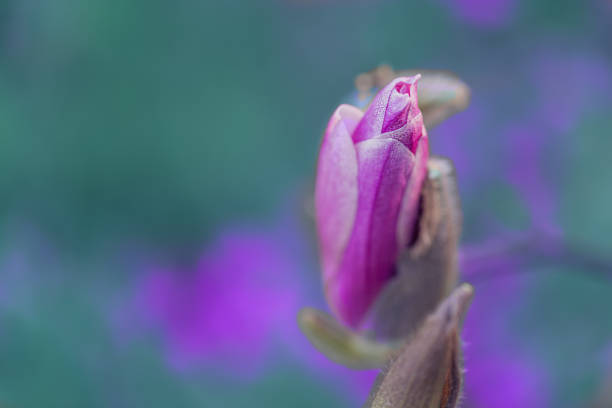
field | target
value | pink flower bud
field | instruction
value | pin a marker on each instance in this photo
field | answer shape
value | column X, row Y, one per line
column 370, row 172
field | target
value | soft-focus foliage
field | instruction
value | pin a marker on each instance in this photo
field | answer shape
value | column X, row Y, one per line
column 134, row 132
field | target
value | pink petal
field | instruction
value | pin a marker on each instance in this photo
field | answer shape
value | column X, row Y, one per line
column 391, row 114
column 407, row 220
column 384, row 169
column 336, row 187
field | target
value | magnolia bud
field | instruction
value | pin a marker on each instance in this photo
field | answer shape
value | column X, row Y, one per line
column 369, row 178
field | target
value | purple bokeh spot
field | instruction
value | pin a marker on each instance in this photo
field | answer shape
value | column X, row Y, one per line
column 235, row 311
column 498, row 371
column 229, row 307
column 457, row 138
column 606, row 357
column 568, row 85
column 486, row 325
column 505, row 381
column 485, row 13
column 526, row 156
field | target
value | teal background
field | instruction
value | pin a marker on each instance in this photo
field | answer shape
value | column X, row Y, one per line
column 142, row 129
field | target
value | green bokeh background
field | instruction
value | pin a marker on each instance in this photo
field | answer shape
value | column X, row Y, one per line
column 155, row 123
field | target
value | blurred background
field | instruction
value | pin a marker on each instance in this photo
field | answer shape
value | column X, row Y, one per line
column 157, row 163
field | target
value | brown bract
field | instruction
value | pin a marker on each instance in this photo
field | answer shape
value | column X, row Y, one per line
column 428, row 371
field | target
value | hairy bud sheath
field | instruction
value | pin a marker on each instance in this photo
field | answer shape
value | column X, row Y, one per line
column 369, row 178
column 428, row 372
